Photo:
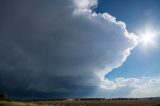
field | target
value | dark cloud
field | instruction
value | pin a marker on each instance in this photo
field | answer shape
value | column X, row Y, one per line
column 56, row 48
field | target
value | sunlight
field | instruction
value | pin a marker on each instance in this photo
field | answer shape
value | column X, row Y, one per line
column 147, row 38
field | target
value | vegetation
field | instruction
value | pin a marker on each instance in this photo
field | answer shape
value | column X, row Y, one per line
column 83, row 103
column 6, row 103
column 158, row 105
column 2, row 96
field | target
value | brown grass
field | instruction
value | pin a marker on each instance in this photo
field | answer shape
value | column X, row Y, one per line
column 85, row 103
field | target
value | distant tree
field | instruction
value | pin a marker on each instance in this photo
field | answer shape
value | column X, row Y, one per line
column 2, row 96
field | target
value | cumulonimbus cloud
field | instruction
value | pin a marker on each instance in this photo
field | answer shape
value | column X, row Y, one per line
column 64, row 49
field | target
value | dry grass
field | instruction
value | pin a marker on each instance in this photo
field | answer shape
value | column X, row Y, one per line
column 5, row 103
column 85, row 103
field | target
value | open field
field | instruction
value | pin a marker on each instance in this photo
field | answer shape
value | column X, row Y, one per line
column 84, row 103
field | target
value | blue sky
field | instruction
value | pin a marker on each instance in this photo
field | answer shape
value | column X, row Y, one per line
column 136, row 14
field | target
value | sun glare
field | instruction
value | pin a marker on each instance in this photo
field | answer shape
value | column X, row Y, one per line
column 147, row 38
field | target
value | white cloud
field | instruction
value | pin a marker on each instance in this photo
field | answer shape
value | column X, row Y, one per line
column 84, row 4
column 138, row 87
column 146, row 87
column 143, row 87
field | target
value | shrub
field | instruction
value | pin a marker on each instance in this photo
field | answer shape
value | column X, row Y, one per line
column 158, row 105
column 2, row 96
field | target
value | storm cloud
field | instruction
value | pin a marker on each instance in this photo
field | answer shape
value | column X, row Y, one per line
column 56, row 48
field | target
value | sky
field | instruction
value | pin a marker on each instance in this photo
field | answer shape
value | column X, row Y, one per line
column 131, row 13
column 79, row 48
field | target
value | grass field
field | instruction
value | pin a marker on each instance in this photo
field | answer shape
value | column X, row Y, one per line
column 84, row 103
